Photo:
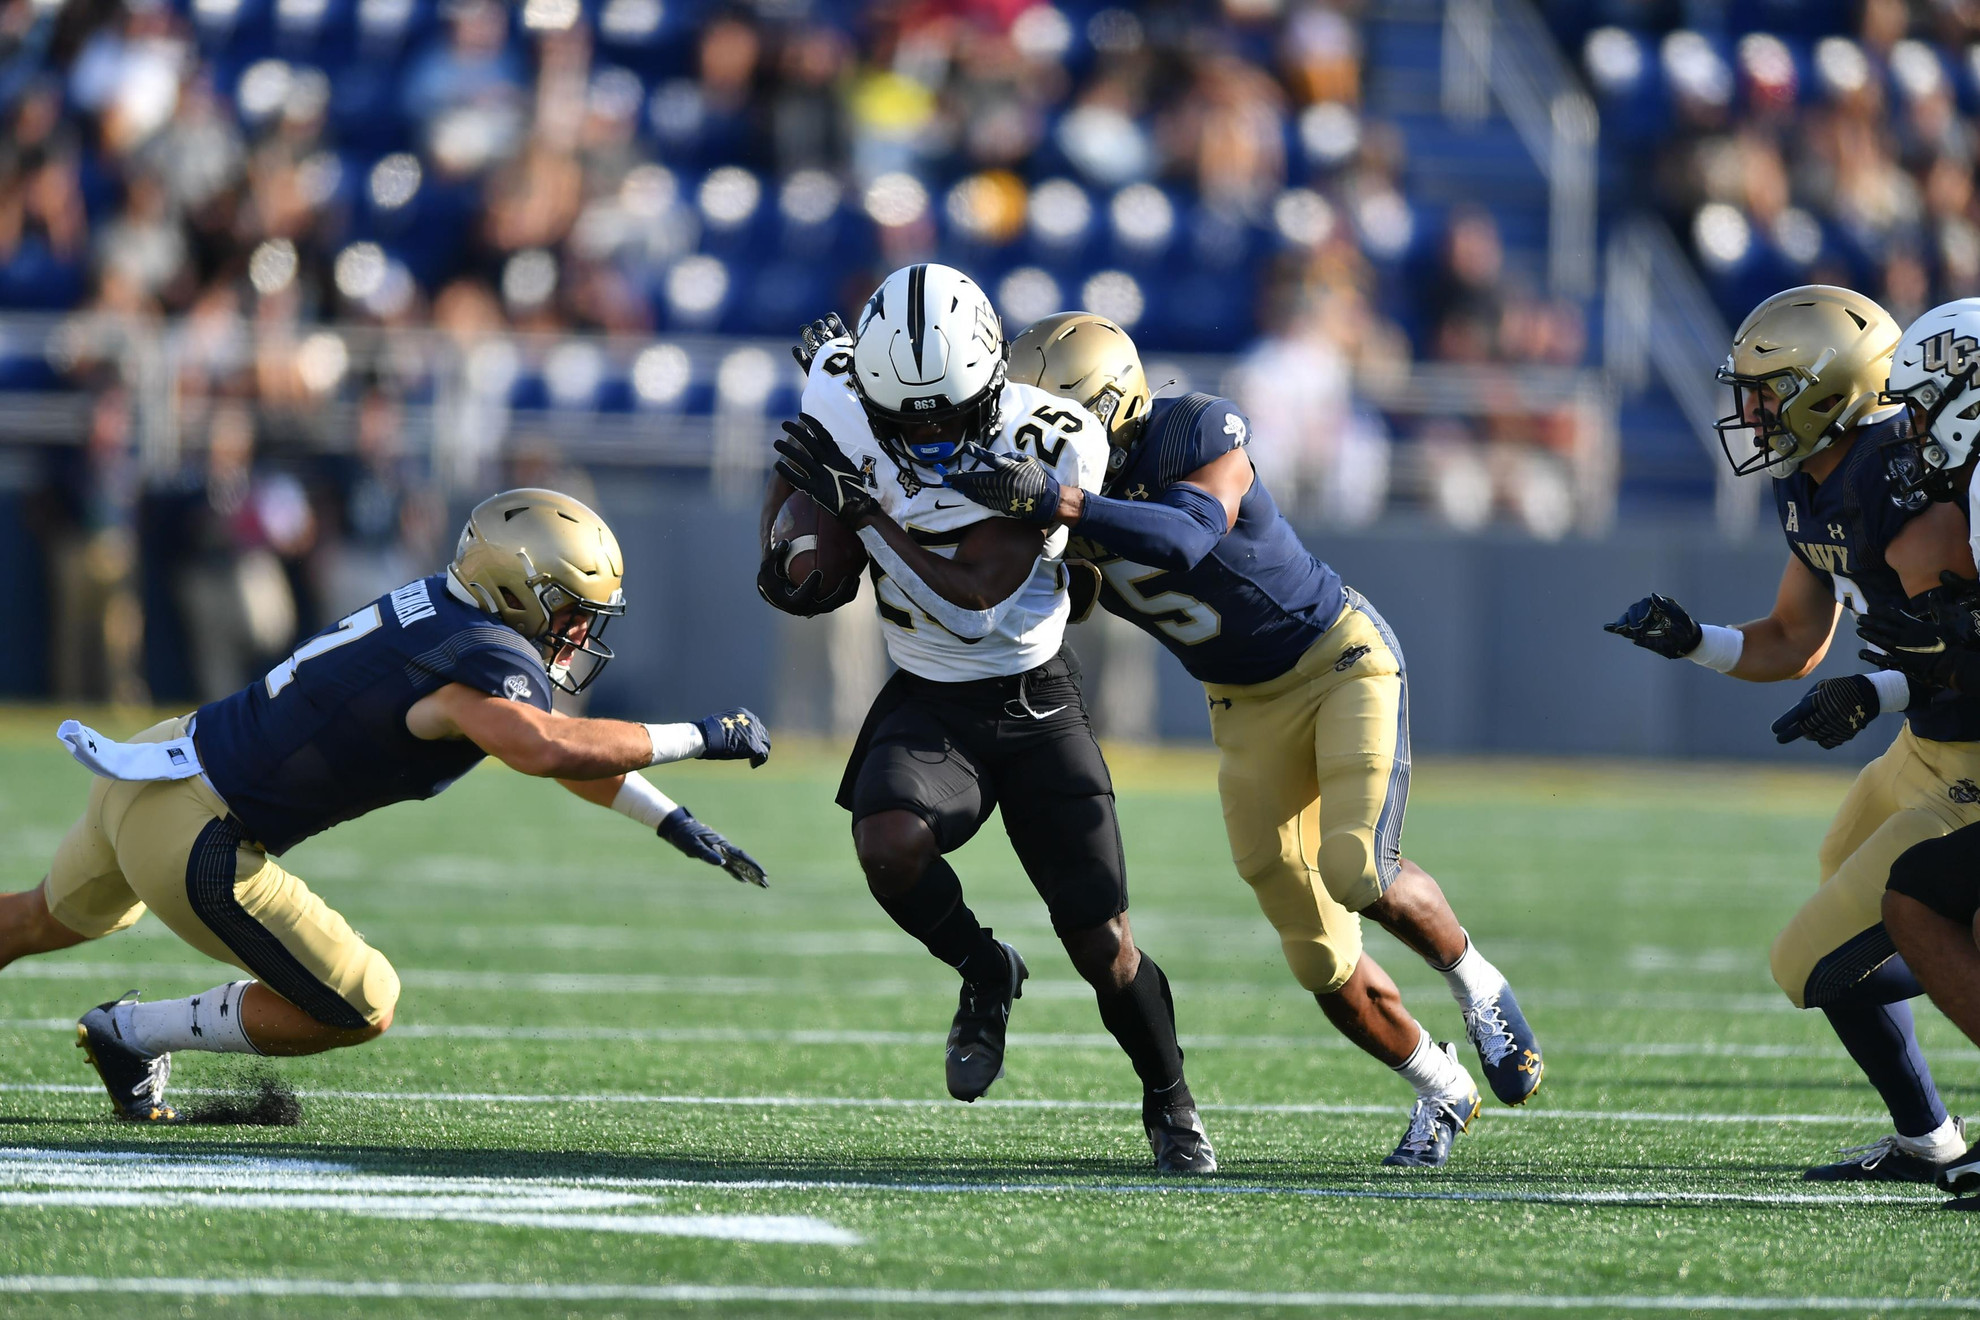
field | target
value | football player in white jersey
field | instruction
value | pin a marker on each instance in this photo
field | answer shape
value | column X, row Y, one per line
column 986, row 710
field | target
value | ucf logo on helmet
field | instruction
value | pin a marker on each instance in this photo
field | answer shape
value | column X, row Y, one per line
column 1942, row 352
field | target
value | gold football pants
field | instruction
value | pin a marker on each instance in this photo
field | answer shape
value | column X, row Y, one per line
column 172, row 846
column 1917, row 790
column 1314, row 779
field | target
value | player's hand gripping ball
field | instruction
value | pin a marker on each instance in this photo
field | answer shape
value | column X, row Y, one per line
column 813, row 564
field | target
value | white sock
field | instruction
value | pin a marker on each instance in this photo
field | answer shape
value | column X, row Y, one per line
column 1434, row 1074
column 209, row 1021
column 1941, row 1145
column 1472, row 980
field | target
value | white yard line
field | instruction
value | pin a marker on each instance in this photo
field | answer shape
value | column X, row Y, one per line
column 950, row 1106
column 148, row 1179
column 1488, row 1303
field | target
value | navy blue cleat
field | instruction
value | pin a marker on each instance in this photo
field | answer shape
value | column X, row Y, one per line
column 1886, row 1161
column 135, row 1079
column 975, row 1054
column 1434, row 1127
column 1507, row 1047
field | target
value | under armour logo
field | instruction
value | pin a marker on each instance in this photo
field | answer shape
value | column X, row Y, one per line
column 1836, row 531
column 1140, row 492
column 1220, row 702
column 1020, row 504
column 195, row 1017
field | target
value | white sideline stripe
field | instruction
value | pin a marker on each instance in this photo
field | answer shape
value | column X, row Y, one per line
column 1502, row 1303
column 640, row 983
column 1090, row 1040
column 888, row 1102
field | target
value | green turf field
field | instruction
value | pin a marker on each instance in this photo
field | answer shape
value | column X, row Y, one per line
column 623, row 1084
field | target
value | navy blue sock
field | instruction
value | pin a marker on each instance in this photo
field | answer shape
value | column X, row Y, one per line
column 1880, row 1038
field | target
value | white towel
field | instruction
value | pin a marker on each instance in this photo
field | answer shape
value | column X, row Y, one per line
column 177, row 759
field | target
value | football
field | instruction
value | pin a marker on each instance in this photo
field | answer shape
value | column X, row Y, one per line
column 818, row 542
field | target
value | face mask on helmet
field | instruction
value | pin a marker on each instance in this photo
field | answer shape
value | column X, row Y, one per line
column 939, row 437
column 1760, row 405
column 573, row 644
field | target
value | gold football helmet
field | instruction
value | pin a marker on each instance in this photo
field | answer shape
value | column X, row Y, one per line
column 548, row 567
column 1806, row 365
column 1091, row 360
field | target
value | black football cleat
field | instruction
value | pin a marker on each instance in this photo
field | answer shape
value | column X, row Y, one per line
column 1507, row 1048
column 1962, row 1175
column 135, row 1079
column 975, row 1056
column 1885, row 1161
column 1176, row 1135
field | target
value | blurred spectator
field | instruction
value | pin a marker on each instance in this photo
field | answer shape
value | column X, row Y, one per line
column 238, row 525
column 85, row 521
column 382, row 527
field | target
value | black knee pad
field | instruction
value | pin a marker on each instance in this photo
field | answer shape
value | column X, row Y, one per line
column 1943, row 874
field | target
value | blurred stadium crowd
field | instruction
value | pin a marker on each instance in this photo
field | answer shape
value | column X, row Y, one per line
column 554, row 224
column 1797, row 141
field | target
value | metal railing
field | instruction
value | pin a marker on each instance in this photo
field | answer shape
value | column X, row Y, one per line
column 1658, row 317
column 1500, row 49
column 699, row 403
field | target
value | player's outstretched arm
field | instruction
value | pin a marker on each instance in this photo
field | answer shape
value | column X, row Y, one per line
column 1174, row 530
column 1788, row 643
column 551, row 746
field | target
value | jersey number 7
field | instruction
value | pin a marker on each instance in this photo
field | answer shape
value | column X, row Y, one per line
column 348, row 630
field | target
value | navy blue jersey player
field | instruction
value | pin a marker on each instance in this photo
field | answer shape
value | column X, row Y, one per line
column 1308, row 704
column 1807, row 369
column 394, row 703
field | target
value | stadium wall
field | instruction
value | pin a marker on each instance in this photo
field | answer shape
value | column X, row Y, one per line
column 1503, row 635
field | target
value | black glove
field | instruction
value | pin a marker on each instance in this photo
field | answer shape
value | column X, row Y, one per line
column 815, row 336
column 1658, row 623
column 1830, row 713
column 731, row 735
column 1022, row 488
column 1955, row 607
column 698, row 841
column 813, row 462
column 803, row 599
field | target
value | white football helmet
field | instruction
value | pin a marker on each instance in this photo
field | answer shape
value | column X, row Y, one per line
column 928, row 365
column 1936, row 376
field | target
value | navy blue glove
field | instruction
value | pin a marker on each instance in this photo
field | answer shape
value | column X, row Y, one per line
column 731, row 735
column 703, row 844
column 1021, row 488
column 1658, row 623
column 1830, row 713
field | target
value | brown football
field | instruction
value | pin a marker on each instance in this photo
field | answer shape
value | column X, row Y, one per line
column 819, row 542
